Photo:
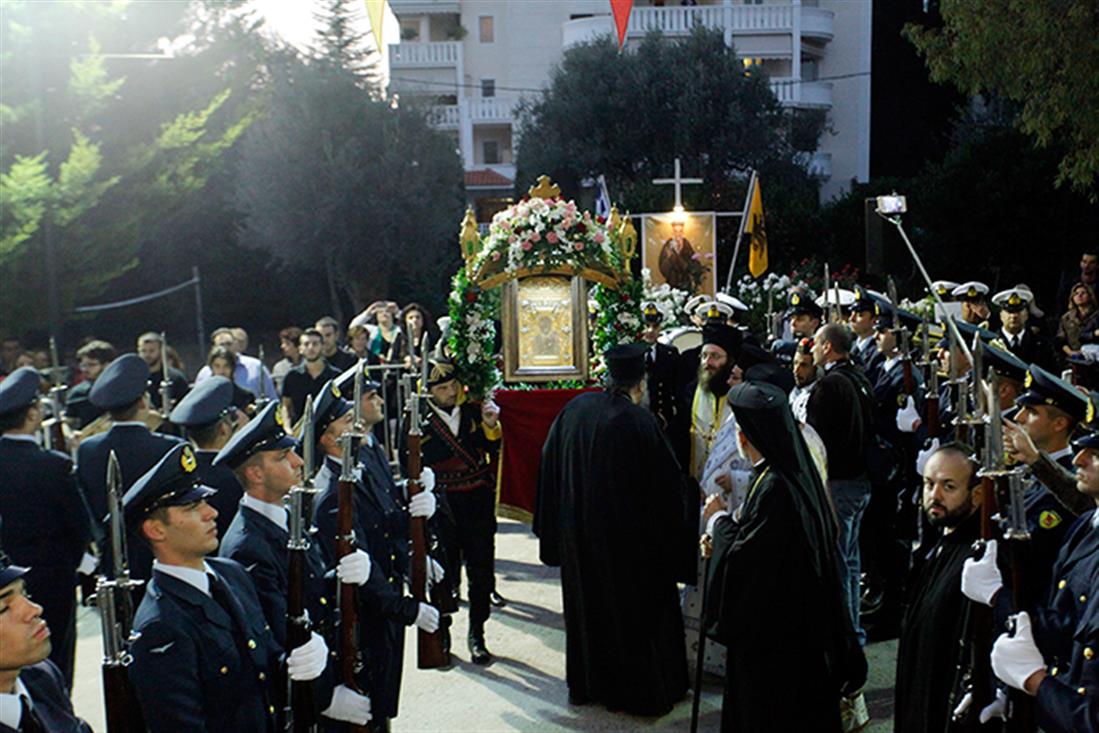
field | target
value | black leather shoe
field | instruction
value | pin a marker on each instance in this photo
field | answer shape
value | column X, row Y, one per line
column 478, row 652
column 497, row 600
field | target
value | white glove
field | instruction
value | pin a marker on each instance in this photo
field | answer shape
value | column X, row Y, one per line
column 308, row 660
column 1016, row 658
column 908, row 417
column 981, row 579
column 422, row 505
column 427, row 618
column 995, row 709
column 427, row 479
column 348, row 706
column 88, row 564
column 354, row 568
column 434, row 570
column 959, row 711
column 922, row 456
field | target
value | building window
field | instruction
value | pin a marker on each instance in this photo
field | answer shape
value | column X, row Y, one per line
column 488, row 34
column 488, row 87
column 410, row 29
column 491, row 150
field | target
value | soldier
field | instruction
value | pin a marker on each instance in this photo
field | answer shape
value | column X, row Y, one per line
column 973, row 296
column 210, row 419
column 1025, row 341
column 945, row 290
column 149, row 347
column 34, row 697
column 861, row 315
column 456, row 442
column 47, row 528
column 263, row 458
column 661, row 362
column 204, row 657
column 120, row 390
column 93, row 357
column 805, row 315
column 380, row 526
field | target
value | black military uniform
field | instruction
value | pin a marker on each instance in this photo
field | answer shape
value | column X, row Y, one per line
column 466, row 487
column 864, row 351
column 202, row 659
column 661, row 363
column 1030, row 345
column 40, row 699
column 79, row 408
column 381, row 529
column 120, row 385
column 47, row 526
column 258, row 535
column 208, row 404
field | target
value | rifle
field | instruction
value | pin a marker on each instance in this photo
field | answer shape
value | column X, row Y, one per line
column 165, row 378
column 962, row 421
column 350, row 656
column 116, row 611
column 829, row 314
column 262, row 399
column 931, row 383
column 300, row 711
column 53, row 428
column 901, row 334
column 429, row 646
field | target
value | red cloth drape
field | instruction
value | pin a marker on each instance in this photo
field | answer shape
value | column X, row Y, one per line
column 526, row 416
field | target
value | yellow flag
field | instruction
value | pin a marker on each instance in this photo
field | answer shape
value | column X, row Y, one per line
column 757, row 235
column 375, row 11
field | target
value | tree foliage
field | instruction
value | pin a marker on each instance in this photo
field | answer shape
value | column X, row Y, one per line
column 1044, row 56
column 628, row 116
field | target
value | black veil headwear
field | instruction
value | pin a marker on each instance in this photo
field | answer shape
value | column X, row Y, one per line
column 763, row 413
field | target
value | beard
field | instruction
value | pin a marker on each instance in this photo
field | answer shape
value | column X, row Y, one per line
column 716, row 383
column 950, row 518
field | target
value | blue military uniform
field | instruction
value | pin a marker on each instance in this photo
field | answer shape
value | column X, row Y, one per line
column 864, row 352
column 381, row 529
column 138, row 449
column 201, row 660
column 47, row 525
column 201, row 409
column 259, row 543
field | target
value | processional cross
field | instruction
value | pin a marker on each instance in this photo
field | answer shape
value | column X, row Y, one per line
column 678, row 181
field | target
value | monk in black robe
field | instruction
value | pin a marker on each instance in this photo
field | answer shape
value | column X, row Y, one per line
column 612, row 512
column 775, row 595
column 933, row 624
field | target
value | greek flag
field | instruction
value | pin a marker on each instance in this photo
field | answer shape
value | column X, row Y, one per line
column 602, row 198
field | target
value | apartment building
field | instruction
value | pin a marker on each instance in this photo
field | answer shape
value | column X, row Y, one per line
column 473, row 60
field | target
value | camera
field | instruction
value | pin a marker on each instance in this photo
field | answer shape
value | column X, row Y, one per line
column 893, row 204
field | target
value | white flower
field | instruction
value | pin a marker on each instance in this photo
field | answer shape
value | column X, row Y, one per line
column 473, row 350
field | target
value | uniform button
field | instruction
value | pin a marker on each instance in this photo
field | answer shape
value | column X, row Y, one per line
column 394, row 557
column 1088, row 653
column 1083, row 599
column 392, row 579
column 1053, row 672
column 1061, row 585
column 251, row 643
column 262, row 676
column 1081, row 691
column 271, row 709
column 324, row 601
column 225, row 670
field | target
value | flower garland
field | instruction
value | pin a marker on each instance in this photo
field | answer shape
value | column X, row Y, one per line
column 618, row 313
column 473, row 314
column 550, row 232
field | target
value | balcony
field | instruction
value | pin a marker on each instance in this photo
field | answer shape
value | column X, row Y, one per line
column 434, row 54
column 803, row 94
column 479, row 111
column 424, row 7
column 744, row 20
column 444, row 116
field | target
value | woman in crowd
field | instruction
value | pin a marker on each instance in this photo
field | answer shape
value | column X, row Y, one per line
column 223, row 363
column 1081, row 309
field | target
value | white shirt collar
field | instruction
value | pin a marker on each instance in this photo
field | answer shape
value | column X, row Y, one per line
column 20, row 436
column 1011, row 337
column 453, row 419
column 1095, row 519
column 1066, row 451
column 274, row 512
column 190, row 576
column 10, row 711
column 890, row 362
column 863, row 341
column 130, row 422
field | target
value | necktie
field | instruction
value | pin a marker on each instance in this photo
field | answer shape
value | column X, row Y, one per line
column 28, row 719
column 221, row 596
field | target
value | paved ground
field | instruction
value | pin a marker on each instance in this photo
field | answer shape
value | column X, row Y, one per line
column 524, row 689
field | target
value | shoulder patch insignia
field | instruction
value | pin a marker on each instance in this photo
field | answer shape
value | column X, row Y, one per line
column 1049, row 519
column 901, row 399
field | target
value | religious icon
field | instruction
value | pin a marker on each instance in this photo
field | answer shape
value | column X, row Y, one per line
column 679, row 249
column 545, row 328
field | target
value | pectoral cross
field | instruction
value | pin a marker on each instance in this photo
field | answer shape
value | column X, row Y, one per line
column 678, row 181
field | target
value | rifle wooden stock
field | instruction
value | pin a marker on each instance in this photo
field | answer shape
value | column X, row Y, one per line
column 349, row 645
column 909, row 380
column 122, row 710
column 302, row 703
column 429, row 646
column 932, row 402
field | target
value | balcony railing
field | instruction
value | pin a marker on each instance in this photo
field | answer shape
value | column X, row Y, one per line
column 444, row 116
column 799, row 93
column 424, row 55
column 484, row 110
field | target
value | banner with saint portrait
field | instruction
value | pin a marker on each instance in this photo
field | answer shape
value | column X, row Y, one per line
column 681, row 249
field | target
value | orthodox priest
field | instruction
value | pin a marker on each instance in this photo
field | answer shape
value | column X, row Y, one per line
column 612, row 512
column 775, row 568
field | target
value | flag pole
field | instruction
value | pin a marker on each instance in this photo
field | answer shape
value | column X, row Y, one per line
column 752, row 183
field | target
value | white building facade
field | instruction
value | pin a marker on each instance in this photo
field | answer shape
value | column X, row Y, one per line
column 473, row 60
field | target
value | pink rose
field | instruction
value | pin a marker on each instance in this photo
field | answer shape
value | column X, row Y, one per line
column 513, row 239
column 496, row 255
column 578, row 246
column 535, row 237
column 526, row 245
column 551, row 237
column 598, row 237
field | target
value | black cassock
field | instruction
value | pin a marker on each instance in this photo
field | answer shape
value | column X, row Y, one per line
column 928, row 653
column 612, row 511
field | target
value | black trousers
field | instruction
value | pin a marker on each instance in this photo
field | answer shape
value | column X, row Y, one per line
column 468, row 535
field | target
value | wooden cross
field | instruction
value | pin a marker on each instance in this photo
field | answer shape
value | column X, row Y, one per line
column 678, row 182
